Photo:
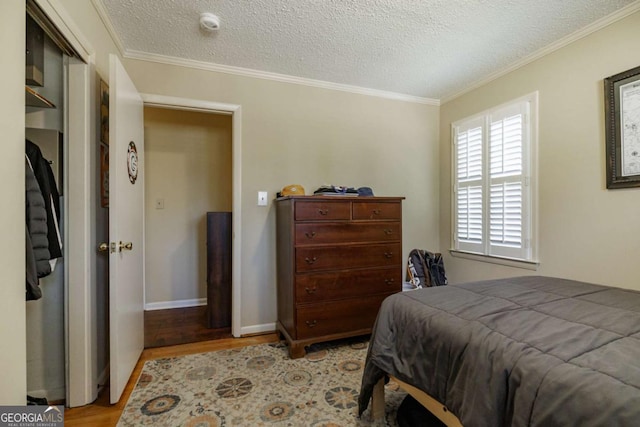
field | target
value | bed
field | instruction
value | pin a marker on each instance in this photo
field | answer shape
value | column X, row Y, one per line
column 525, row 351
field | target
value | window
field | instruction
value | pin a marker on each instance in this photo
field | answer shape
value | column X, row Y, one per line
column 494, row 181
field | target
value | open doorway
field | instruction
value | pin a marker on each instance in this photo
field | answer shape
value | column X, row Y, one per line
column 169, row 103
column 235, row 111
column 188, row 175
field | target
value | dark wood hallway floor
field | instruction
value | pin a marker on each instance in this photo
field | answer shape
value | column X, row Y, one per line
column 179, row 326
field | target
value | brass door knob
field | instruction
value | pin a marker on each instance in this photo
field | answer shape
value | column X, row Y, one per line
column 103, row 247
column 125, row 246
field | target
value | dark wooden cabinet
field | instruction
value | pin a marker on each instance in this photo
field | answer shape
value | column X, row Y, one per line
column 337, row 259
column 218, row 269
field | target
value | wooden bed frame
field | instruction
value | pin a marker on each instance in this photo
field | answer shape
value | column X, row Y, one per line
column 432, row 405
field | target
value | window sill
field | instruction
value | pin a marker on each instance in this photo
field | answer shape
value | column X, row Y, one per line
column 509, row 262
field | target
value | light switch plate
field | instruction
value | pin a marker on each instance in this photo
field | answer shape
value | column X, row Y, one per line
column 262, row 198
column 159, row 203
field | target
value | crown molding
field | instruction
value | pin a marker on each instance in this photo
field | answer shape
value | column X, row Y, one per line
column 247, row 72
column 575, row 36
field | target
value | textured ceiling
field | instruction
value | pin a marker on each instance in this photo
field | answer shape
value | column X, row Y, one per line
column 424, row 48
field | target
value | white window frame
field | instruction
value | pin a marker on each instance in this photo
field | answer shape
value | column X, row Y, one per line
column 481, row 248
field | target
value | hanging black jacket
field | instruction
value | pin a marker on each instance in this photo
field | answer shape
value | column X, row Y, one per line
column 44, row 175
column 37, row 246
column 33, row 290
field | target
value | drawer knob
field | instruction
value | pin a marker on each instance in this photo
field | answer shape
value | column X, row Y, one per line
column 388, row 254
column 323, row 211
column 310, row 260
column 388, row 231
column 389, row 281
column 377, row 211
column 310, row 235
column 311, row 323
column 311, row 291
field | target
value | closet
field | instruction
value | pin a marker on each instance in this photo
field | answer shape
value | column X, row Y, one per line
column 44, row 154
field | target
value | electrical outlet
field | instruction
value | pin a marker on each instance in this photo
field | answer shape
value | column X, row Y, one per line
column 262, row 198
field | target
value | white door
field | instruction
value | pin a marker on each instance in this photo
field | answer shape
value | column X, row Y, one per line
column 126, row 225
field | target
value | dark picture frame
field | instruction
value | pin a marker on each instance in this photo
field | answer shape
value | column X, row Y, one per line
column 104, row 112
column 622, row 122
column 104, row 175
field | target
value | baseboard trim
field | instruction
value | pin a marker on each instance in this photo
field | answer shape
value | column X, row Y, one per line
column 257, row 329
column 164, row 305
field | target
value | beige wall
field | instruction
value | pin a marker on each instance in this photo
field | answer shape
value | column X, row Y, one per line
column 586, row 232
column 188, row 158
column 13, row 358
column 311, row 136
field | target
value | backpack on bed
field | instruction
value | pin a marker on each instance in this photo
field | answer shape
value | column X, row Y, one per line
column 425, row 269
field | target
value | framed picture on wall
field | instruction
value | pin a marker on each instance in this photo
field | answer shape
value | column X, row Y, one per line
column 104, row 112
column 622, row 120
column 104, row 175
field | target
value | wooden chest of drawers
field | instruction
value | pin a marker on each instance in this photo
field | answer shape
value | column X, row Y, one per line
column 338, row 258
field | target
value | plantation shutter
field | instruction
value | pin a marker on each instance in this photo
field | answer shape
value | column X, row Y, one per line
column 492, row 183
column 469, row 191
column 508, row 187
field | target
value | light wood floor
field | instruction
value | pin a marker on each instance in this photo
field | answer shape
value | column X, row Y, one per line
column 102, row 414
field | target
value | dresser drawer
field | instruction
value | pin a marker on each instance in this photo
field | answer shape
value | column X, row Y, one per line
column 338, row 316
column 377, row 210
column 322, row 210
column 318, row 233
column 317, row 287
column 345, row 257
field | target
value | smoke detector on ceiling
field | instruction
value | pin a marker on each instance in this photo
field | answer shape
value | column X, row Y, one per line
column 209, row 22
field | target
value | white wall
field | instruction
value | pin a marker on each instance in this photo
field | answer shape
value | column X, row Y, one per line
column 586, row 232
column 13, row 358
column 188, row 158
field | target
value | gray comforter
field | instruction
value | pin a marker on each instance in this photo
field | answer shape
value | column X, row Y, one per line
column 524, row 351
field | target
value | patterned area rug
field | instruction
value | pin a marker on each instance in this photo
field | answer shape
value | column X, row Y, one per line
column 256, row 386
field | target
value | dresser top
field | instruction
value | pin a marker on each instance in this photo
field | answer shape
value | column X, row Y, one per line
column 341, row 198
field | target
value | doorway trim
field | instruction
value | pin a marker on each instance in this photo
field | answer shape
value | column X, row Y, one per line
column 188, row 104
